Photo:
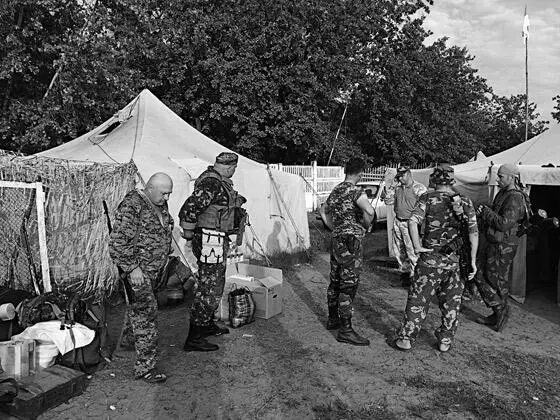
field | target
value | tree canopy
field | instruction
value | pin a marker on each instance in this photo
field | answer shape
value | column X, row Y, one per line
column 269, row 79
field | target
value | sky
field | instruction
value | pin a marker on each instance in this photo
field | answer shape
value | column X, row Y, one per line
column 491, row 31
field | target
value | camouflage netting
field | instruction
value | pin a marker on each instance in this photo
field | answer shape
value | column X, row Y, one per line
column 76, row 223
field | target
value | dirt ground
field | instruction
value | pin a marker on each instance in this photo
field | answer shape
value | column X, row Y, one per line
column 291, row 367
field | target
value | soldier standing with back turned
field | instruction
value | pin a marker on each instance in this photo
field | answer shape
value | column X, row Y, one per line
column 349, row 214
column 437, row 270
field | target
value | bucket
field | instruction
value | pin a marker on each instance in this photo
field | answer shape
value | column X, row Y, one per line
column 7, row 312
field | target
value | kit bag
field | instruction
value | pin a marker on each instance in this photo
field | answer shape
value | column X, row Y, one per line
column 241, row 306
column 87, row 358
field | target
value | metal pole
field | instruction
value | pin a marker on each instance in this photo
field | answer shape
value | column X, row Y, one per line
column 526, row 88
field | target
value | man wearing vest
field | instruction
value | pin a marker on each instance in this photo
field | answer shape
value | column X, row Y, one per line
column 208, row 217
column 503, row 228
column 403, row 195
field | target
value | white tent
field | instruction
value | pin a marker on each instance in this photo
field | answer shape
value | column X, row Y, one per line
column 477, row 180
column 158, row 140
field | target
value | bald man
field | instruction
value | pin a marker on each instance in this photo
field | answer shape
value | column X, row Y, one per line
column 140, row 244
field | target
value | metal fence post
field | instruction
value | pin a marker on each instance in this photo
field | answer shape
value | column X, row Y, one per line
column 314, row 183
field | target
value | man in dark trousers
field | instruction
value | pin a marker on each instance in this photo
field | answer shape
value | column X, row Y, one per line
column 208, row 217
column 503, row 227
column 348, row 214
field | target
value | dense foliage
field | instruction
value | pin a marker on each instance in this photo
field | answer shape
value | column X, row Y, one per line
column 268, row 78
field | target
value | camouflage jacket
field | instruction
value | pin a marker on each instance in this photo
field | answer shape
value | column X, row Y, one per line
column 442, row 225
column 502, row 221
column 207, row 191
column 346, row 214
column 138, row 238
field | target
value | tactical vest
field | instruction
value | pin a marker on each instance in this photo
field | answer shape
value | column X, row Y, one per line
column 218, row 217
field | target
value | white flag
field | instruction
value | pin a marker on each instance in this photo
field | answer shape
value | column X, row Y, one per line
column 525, row 31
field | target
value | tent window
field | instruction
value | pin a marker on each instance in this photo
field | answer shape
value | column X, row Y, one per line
column 109, row 129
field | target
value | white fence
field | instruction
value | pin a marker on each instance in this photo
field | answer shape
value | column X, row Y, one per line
column 320, row 180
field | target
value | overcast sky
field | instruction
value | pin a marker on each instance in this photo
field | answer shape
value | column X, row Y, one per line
column 491, row 30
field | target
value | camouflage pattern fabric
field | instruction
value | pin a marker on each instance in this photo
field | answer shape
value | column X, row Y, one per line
column 493, row 278
column 207, row 191
column 138, row 239
column 442, row 226
column 210, row 285
column 502, row 222
column 436, row 273
column 346, row 263
column 403, row 248
column 345, row 213
column 509, row 209
column 142, row 318
column 427, row 282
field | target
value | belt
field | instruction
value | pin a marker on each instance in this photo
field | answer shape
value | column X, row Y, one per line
column 401, row 220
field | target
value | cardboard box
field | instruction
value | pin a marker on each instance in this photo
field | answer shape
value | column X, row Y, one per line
column 18, row 358
column 45, row 390
column 266, row 287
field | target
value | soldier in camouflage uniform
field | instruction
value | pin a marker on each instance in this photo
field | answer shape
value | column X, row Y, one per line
column 140, row 244
column 503, row 225
column 437, row 270
column 348, row 213
column 208, row 217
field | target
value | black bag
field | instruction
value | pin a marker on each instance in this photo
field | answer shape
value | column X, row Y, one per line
column 87, row 358
column 241, row 307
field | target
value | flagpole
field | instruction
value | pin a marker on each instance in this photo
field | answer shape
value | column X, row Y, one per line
column 526, row 88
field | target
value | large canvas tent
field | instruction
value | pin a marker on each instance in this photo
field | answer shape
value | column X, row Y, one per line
column 538, row 160
column 157, row 140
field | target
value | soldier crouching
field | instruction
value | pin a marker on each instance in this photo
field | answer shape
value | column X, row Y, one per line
column 437, row 270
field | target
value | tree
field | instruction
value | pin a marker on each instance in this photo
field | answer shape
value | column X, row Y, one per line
column 505, row 123
column 556, row 111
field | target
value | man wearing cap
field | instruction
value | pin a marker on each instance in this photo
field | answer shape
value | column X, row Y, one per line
column 403, row 195
column 503, row 227
column 208, row 217
column 437, row 269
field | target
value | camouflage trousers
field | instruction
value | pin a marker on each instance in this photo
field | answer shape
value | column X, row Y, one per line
column 403, row 248
column 492, row 279
column 141, row 328
column 428, row 281
column 346, row 263
column 211, row 282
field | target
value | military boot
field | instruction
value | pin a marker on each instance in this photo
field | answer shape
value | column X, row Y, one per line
column 196, row 341
column 488, row 320
column 405, row 280
column 503, row 317
column 214, row 329
column 333, row 322
column 346, row 334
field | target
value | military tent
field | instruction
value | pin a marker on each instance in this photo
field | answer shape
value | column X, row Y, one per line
column 539, row 165
column 157, row 140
